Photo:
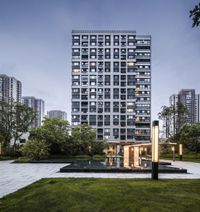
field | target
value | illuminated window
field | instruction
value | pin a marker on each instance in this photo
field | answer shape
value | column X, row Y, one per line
column 130, row 64
column 92, row 64
column 76, row 70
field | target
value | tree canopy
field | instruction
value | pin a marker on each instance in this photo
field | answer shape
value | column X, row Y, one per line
column 195, row 15
column 54, row 132
column 35, row 149
column 190, row 137
column 85, row 142
column 173, row 117
column 15, row 119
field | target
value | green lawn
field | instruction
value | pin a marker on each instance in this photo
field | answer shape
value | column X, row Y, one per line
column 105, row 195
column 191, row 157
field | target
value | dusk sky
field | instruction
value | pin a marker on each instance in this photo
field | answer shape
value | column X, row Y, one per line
column 35, row 43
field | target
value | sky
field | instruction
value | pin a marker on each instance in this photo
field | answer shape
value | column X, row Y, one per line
column 35, row 43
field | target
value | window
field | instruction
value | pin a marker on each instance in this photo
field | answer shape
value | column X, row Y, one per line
column 84, row 37
column 76, row 70
column 76, row 37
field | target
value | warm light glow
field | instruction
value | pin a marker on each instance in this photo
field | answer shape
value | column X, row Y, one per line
column 76, row 70
column 137, row 119
column 132, row 149
column 136, row 157
column 155, row 139
column 173, row 148
column 130, row 64
column 156, row 143
column 126, row 156
column 180, row 149
column 152, row 147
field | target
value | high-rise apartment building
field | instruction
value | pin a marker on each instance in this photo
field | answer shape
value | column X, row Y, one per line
column 173, row 100
column 38, row 107
column 57, row 114
column 187, row 98
column 197, row 108
column 111, row 84
column 191, row 101
column 10, row 89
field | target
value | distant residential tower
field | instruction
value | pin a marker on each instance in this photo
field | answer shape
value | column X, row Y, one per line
column 38, row 107
column 57, row 114
column 189, row 99
column 10, row 89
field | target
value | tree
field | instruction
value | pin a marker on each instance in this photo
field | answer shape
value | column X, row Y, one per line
column 84, row 141
column 98, row 146
column 54, row 132
column 83, row 136
column 24, row 117
column 84, row 133
column 35, row 149
column 195, row 15
column 165, row 115
column 15, row 119
column 173, row 117
column 190, row 137
column 181, row 114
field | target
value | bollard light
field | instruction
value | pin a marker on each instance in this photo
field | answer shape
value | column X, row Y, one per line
column 180, row 151
column 145, row 150
column 173, row 152
column 155, row 139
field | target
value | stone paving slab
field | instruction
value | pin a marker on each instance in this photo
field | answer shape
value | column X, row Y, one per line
column 14, row 176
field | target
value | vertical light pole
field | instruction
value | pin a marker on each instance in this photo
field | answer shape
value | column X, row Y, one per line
column 155, row 139
column 173, row 152
column 0, row 149
column 180, row 151
column 145, row 150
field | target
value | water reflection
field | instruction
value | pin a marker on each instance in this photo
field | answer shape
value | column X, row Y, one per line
column 119, row 162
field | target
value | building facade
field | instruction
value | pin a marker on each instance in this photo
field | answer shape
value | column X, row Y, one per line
column 38, row 107
column 191, row 101
column 187, row 98
column 197, row 108
column 57, row 114
column 111, row 84
column 10, row 89
column 173, row 100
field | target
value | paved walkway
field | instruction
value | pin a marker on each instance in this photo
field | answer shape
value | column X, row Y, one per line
column 14, row 176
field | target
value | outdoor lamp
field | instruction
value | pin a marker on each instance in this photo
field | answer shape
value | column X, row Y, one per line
column 145, row 150
column 181, row 151
column 173, row 151
column 155, row 139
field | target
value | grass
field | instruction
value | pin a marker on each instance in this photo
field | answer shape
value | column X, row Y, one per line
column 189, row 156
column 104, row 195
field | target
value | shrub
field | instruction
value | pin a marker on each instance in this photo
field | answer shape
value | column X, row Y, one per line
column 22, row 160
column 35, row 149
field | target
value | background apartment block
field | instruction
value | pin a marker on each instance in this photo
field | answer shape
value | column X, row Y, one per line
column 187, row 98
column 57, row 114
column 10, row 89
column 173, row 100
column 38, row 107
column 197, row 108
column 191, row 101
column 111, row 84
